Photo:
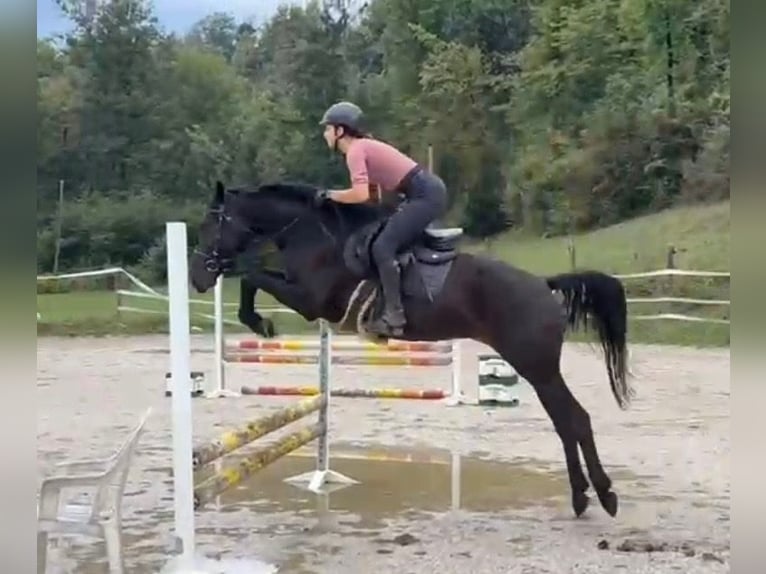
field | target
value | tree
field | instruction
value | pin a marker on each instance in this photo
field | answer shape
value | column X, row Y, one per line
column 219, row 32
column 556, row 115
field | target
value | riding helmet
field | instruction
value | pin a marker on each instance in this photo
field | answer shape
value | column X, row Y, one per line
column 345, row 114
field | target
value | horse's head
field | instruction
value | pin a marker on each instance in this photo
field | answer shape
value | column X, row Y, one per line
column 221, row 235
column 236, row 219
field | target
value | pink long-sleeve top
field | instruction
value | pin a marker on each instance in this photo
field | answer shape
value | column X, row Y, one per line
column 371, row 161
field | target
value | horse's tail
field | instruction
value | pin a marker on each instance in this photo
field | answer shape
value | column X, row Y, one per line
column 595, row 299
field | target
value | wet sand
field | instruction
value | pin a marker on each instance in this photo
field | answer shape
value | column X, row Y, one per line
column 668, row 456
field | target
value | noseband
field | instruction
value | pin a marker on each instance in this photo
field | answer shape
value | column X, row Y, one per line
column 215, row 261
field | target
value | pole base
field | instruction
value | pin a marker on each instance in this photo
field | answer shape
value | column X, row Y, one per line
column 459, row 399
column 315, row 480
column 222, row 394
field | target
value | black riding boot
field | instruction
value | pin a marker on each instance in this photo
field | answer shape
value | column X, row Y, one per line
column 391, row 324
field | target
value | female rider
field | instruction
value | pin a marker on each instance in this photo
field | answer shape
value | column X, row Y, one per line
column 373, row 162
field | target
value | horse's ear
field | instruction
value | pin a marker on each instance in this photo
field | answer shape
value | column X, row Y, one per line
column 219, row 192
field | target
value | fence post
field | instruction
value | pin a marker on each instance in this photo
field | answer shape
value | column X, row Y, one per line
column 671, row 257
column 572, row 254
column 670, row 263
column 430, row 158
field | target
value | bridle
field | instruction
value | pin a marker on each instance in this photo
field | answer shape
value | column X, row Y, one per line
column 215, row 261
column 219, row 263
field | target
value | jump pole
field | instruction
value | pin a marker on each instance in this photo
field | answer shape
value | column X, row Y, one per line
column 180, row 359
column 219, row 389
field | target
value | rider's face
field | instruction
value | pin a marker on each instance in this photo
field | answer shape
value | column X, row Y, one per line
column 331, row 135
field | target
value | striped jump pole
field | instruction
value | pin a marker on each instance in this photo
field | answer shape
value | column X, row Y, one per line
column 426, row 394
column 394, row 353
column 261, row 457
column 310, row 345
column 379, row 360
column 232, row 440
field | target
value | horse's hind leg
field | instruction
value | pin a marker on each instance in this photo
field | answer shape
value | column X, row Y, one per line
column 572, row 423
column 598, row 477
column 558, row 403
column 532, row 346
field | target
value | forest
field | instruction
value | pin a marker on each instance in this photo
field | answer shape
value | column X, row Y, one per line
column 547, row 116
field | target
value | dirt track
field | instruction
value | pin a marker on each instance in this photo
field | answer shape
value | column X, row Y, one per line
column 668, row 457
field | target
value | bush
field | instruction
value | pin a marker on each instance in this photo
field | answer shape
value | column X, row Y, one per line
column 621, row 167
column 120, row 231
column 484, row 214
column 707, row 178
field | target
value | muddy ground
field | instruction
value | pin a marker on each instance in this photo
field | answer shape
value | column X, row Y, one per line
column 668, row 456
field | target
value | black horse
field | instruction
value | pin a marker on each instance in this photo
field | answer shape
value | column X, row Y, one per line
column 447, row 294
column 254, row 261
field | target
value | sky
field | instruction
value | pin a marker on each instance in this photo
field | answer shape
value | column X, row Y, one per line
column 173, row 15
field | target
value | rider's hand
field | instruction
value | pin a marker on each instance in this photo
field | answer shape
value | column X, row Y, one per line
column 321, row 197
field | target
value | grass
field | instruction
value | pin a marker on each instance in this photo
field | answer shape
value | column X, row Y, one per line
column 699, row 234
column 96, row 313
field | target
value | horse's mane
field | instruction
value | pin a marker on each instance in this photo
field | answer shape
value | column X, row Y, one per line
column 282, row 190
column 304, row 193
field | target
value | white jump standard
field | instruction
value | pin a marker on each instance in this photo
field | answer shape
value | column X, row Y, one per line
column 180, row 354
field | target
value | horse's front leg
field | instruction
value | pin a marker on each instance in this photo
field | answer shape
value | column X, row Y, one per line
column 291, row 294
column 247, row 314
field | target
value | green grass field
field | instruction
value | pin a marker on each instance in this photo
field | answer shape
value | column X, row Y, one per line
column 700, row 235
column 96, row 313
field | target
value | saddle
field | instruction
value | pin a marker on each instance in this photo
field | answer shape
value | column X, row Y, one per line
column 424, row 263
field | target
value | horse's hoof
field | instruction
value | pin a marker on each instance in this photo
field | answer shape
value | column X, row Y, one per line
column 267, row 329
column 580, row 502
column 609, row 502
column 259, row 326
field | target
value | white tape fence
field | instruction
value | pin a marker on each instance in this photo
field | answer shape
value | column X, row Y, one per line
column 143, row 287
column 123, row 295
column 683, row 300
column 145, row 292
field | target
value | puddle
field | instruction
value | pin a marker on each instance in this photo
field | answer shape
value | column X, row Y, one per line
column 395, row 481
column 267, row 518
